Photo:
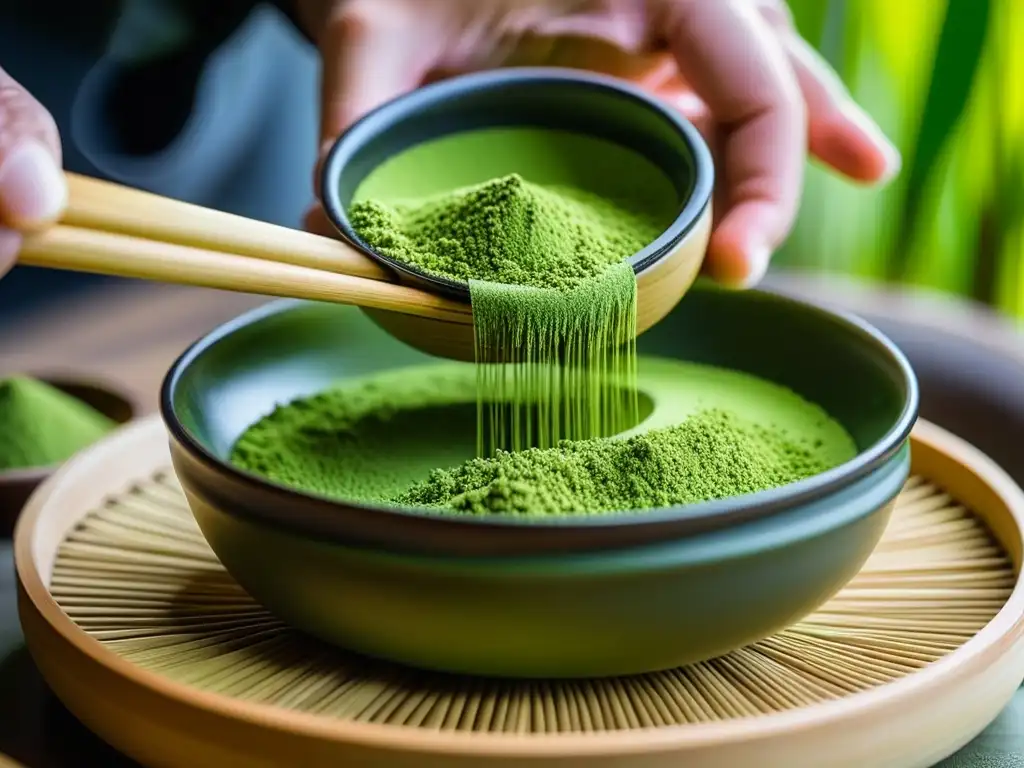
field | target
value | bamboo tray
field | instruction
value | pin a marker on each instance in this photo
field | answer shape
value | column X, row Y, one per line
column 145, row 638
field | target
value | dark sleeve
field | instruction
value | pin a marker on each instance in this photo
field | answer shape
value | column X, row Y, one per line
column 161, row 48
column 213, row 22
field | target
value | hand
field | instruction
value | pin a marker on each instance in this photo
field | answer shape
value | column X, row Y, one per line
column 760, row 95
column 33, row 192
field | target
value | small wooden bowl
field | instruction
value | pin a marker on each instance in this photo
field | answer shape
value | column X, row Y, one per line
column 562, row 100
column 16, row 485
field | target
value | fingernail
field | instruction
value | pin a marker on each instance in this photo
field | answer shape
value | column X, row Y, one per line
column 866, row 125
column 33, row 190
column 893, row 162
column 758, row 259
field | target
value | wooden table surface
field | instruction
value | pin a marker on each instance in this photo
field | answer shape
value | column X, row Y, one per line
column 129, row 337
column 130, row 334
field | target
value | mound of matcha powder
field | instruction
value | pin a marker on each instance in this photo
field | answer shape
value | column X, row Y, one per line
column 40, row 425
column 549, row 283
column 711, row 455
column 509, row 231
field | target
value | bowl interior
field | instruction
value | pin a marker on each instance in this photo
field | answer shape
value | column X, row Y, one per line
column 288, row 350
column 839, row 362
column 555, row 128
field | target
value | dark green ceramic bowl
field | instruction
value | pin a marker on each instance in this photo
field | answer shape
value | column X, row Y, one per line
column 572, row 597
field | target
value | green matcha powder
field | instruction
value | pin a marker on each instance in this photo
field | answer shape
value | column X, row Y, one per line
column 376, row 440
column 552, row 296
column 40, row 425
column 711, row 455
column 554, row 307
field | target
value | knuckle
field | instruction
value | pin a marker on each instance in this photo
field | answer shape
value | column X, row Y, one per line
column 355, row 19
column 22, row 116
column 793, row 110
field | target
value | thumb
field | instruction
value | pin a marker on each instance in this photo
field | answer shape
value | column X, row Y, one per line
column 33, row 191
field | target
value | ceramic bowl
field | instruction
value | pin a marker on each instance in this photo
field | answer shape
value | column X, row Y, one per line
column 236, row 374
column 565, row 101
column 16, row 485
column 585, row 614
column 592, row 596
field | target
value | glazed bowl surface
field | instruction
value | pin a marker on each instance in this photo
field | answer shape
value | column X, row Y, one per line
column 557, row 615
column 532, row 597
column 285, row 350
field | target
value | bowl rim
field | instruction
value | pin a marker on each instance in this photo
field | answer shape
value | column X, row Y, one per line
column 676, row 520
column 407, row 106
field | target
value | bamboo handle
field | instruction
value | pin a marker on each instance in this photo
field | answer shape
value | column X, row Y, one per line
column 101, row 205
column 88, row 250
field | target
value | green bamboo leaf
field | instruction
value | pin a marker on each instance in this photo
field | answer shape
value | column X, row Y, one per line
column 832, row 37
column 1010, row 259
column 810, row 18
column 957, row 56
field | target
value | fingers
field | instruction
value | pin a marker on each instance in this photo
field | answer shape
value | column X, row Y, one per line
column 840, row 133
column 33, row 191
column 674, row 91
column 316, row 221
column 10, row 244
column 736, row 65
column 372, row 52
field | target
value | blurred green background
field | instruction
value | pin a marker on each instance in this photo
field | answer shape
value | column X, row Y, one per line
column 945, row 80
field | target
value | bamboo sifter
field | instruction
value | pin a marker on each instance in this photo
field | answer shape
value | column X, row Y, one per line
column 145, row 637
column 115, row 230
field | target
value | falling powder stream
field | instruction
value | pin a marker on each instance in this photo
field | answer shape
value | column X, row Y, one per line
column 554, row 300
column 569, row 370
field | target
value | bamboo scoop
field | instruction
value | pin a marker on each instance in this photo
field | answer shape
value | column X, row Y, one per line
column 115, row 230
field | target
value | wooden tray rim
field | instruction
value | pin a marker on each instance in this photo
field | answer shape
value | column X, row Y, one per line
column 999, row 639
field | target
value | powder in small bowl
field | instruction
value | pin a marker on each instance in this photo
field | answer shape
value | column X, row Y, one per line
column 509, row 231
column 40, row 425
column 547, row 278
